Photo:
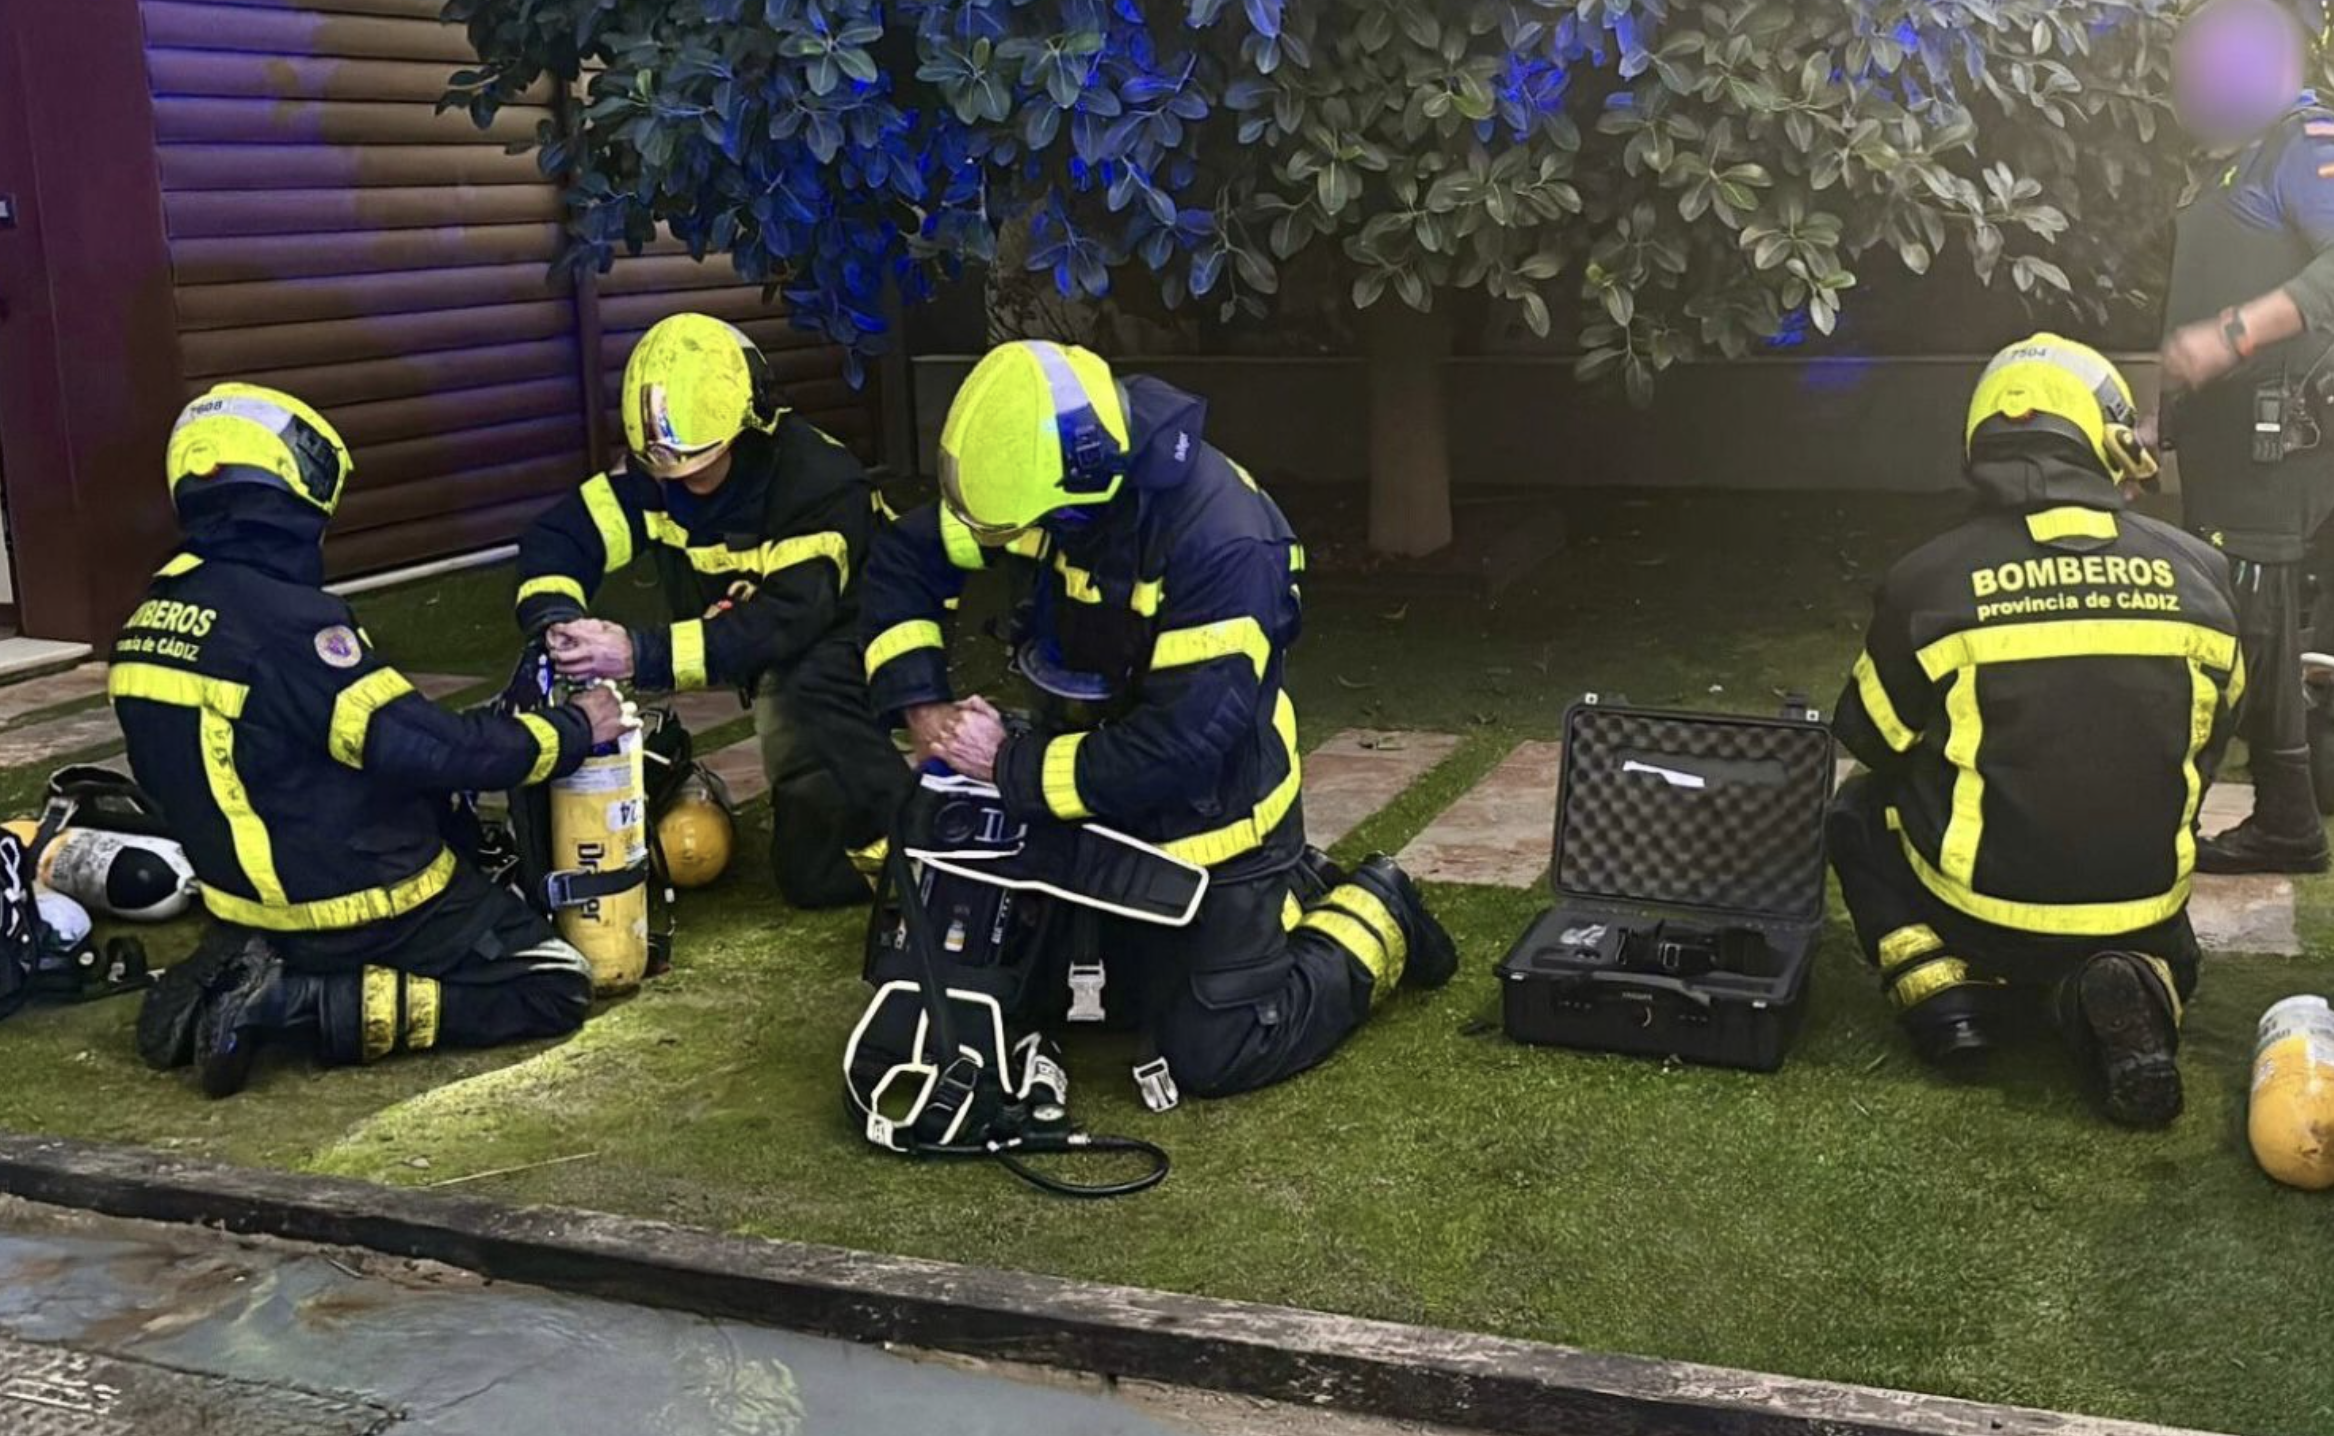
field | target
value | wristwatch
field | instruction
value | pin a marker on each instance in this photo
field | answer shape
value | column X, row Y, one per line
column 2235, row 334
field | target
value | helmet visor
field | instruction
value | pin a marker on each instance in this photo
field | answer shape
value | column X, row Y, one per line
column 661, row 451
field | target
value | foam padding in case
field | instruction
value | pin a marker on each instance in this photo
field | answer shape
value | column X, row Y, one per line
column 1692, row 810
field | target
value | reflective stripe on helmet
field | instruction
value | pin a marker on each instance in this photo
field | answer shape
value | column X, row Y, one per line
column 242, row 433
column 1036, row 427
column 2049, row 385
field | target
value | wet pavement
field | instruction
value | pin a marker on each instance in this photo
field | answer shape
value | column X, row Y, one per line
column 110, row 1327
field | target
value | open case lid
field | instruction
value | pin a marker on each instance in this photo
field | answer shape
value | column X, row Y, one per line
column 1694, row 810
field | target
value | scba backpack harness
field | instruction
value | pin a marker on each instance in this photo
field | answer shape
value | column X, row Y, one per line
column 970, row 954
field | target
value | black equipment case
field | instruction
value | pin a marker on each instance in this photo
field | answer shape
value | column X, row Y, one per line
column 1689, row 884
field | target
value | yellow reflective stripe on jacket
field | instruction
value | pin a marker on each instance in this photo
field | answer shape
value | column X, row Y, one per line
column 179, row 564
column 2080, row 638
column 176, row 687
column 2235, row 692
column 220, row 703
column 608, row 516
column 2051, row 525
column 546, row 746
column 553, row 583
column 1879, row 707
column 337, row 913
column 2099, row 919
column 2204, row 711
column 901, row 639
column 1061, row 779
column 1077, row 584
column 964, row 550
column 761, row 561
column 1965, row 731
column 255, row 850
column 353, row 710
column 1233, row 637
column 689, row 653
column 1030, row 545
column 1251, row 832
column 1147, row 597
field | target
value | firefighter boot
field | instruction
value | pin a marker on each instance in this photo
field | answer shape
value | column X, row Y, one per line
column 1940, row 1004
column 248, row 1003
column 174, row 1004
column 2285, row 833
column 2126, row 1023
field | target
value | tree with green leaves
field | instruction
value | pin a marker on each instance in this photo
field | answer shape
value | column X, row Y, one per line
column 1658, row 179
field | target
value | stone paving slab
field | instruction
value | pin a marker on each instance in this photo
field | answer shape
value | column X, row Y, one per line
column 740, row 766
column 1352, row 777
column 47, row 741
column 1498, row 834
column 706, row 710
column 2253, row 914
column 51, row 690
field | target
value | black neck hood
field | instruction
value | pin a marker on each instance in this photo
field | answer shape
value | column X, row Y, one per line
column 257, row 528
column 2041, row 477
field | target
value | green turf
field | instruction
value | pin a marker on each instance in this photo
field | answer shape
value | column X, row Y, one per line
column 1852, row 1217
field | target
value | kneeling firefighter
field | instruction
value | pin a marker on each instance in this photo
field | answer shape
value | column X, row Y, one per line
column 2042, row 700
column 759, row 523
column 310, row 782
column 1165, row 594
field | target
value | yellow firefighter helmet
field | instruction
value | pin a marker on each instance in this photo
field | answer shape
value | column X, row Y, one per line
column 697, row 832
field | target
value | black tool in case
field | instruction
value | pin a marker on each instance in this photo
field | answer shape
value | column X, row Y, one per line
column 1689, row 880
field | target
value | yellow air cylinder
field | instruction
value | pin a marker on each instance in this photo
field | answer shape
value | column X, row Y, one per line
column 599, row 823
column 2292, row 1117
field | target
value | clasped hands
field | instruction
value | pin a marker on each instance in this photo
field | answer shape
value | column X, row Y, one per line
column 583, row 649
column 967, row 736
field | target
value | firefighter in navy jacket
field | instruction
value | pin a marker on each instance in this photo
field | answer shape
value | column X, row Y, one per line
column 1164, row 575
column 309, row 781
column 2042, row 699
column 759, row 524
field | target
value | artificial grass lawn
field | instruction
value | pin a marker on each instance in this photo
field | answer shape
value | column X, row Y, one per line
column 1852, row 1217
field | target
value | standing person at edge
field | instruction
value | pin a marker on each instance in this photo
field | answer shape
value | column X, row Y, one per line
column 310, row 782
column 2042, row 699
column 1161, row 568
column 2250, row 312
column 760, row 523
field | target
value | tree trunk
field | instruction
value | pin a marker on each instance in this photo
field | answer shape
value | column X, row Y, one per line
column 1410, row 461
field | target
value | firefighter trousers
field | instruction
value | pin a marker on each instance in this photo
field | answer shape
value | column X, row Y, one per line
column 2275, row 719
column 1264, row 983
column 476, row 967
column 836, row 779
column 1939, row 964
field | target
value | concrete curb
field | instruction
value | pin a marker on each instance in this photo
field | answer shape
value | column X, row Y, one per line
column 1379, row 1368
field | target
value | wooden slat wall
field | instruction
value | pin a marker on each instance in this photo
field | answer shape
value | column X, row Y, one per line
column 331, row 235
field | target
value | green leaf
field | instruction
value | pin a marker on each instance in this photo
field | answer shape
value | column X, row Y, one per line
column 1535, row 312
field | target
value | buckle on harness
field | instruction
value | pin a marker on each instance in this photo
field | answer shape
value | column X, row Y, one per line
column 1157, row 1085
column 580, row 887
column 1086, row 981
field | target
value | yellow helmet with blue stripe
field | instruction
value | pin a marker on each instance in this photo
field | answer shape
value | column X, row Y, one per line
column 1037, row 427
column 692, row 386
column 246, row 434
column 2052, row 387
